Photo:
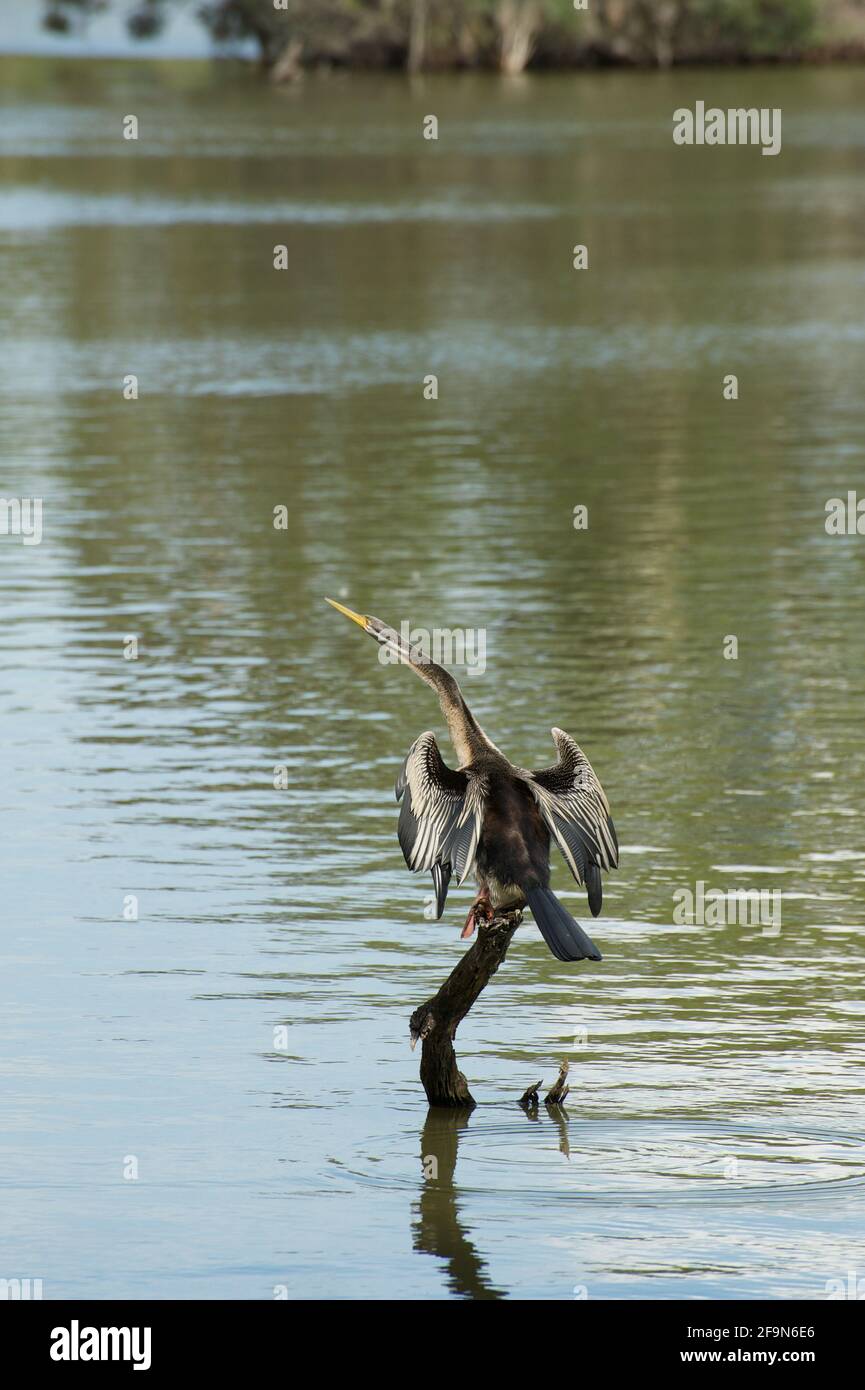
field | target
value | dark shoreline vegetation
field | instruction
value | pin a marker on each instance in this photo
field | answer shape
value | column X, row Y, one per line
column 509, row 36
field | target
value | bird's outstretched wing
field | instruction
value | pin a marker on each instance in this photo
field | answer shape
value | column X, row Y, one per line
column 575, row 807
column 441, row 816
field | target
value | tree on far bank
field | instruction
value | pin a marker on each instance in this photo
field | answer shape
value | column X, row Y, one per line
column 509, row 35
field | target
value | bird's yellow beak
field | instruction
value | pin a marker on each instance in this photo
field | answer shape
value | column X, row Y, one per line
column 355, row 617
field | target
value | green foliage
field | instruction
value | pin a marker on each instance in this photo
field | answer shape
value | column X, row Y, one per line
column 753, row 28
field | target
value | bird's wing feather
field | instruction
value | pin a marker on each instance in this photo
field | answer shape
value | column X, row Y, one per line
column 441, row 815
column 441, row 875
column 575, row 807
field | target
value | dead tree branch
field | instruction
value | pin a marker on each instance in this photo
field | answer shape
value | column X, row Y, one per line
column 435, row 1023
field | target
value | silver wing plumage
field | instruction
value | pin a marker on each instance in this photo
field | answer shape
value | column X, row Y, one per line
column 440, row 817
column 575, row 808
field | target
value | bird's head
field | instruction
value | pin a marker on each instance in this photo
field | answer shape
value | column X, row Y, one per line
column 384, row 635
column 465, row 731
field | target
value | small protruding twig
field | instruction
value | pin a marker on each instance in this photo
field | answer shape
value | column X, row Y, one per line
column 559, row 1090
column 529, row 1098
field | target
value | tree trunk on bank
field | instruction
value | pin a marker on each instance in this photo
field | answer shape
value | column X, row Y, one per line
column 417, row 36
column 287, row 67
column 518, row 23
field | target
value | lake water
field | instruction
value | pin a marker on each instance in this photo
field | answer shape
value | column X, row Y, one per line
column 159, row 1135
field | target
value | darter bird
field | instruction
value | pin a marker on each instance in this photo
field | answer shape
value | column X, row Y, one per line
column 496, row 818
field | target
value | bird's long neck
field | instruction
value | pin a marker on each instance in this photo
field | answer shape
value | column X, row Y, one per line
column 467, row 736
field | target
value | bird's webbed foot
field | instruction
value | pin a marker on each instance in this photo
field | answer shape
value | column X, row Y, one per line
column 480, row 911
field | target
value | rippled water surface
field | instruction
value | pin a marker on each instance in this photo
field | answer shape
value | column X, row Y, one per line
column 713, row 1143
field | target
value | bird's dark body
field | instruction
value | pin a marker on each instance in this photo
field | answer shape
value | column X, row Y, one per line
column 513, row 860
column 514, row 848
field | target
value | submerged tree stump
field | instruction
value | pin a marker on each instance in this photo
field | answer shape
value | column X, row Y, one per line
column 435, row 1023
column 556, row 1095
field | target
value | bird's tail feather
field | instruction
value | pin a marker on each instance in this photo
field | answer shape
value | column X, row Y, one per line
column 565, row 937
